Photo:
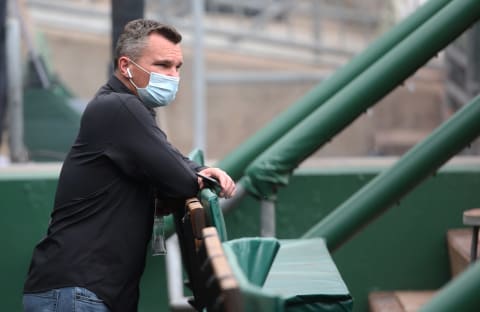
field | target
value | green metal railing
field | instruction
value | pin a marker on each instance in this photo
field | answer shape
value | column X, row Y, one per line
column 389, row 186
column 273, row 168
column 236, row 162
column 460, row 294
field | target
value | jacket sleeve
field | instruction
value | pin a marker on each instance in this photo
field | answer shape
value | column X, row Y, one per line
column 142, row 152
column 193, row 165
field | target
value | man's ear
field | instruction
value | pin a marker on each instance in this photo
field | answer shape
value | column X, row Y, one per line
column 123, row 63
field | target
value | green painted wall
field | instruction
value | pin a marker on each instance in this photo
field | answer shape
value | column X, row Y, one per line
column 403, row 249
column 26, row 201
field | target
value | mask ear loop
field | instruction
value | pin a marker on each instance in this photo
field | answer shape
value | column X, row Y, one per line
column 130, row 77
column 139, row 67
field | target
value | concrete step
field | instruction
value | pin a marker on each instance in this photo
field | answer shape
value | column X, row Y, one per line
column 398, row 301
column 459, row 244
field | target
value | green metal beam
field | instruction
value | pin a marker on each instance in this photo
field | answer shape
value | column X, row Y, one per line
column 274, row 167
column 389, row 186
column 236, row 162
column 460, row 294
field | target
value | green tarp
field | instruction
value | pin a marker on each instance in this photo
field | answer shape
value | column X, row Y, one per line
column 51, row 124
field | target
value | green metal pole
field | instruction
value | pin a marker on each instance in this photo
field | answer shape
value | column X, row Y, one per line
column 273, row 167
column 236, row 162
column 460, row 294
column 389, row 186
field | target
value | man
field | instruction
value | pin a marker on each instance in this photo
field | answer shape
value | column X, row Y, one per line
column 94, row 253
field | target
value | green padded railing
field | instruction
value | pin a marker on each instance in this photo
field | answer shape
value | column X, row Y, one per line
column 236, row 162
column 214, row 213
column 389, row 186
column 274, row 167
column 209, row 201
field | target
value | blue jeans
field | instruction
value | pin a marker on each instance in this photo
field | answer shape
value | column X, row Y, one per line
column 71, row 299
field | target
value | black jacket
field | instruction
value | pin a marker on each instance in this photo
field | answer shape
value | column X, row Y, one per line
column 103, row 213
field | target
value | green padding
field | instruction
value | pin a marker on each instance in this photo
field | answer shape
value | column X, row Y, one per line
column 308, row 263
column 303, row 276
column 254, row 298
column 214, row 213
column 306, row 277
column 301, row 261
column 51, row 125
column 210, row 201
column 197, row 156
column 255, row 256
column 328, row 304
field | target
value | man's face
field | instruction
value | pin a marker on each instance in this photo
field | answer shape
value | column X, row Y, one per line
column 159, row 56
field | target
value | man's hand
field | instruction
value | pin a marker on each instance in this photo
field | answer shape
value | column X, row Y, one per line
column 227, row 184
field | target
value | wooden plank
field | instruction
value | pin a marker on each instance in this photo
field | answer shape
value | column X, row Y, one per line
column 472, row 217
column 411, row 301
column 384, row 301
column 459, row 241
column 223, row 286
column 399, row 301
column 197, row 216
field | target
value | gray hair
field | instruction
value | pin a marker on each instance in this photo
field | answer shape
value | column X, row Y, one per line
column 133, row 39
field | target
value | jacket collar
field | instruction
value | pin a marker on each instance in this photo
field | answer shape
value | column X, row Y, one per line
column 116, row 85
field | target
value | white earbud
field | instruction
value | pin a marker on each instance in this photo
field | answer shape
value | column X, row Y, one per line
column 129, row 73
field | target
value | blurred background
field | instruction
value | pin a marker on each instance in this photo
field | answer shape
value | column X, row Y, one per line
column 245, row 62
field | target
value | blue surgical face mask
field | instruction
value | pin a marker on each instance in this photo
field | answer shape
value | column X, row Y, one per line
column 160, row 91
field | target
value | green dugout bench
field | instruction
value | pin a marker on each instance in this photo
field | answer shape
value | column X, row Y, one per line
column 254, row 274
